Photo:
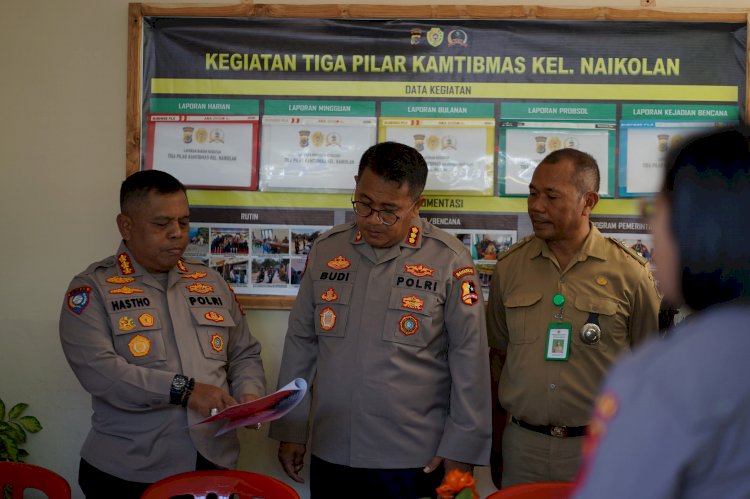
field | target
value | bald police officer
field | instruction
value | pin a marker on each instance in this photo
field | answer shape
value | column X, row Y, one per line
column 159, row 343
column 563, row 304
column 389, row 322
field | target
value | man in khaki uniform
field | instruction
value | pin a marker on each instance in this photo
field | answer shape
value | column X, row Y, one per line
column 389, row 323
column 159, row 343
column 563, row 305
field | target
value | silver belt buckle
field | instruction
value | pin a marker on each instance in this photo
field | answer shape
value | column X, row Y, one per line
column 559, row 431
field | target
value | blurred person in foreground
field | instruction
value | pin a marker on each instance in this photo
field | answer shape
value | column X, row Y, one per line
column 673, row 419
column 160, row 343
column 389, row 323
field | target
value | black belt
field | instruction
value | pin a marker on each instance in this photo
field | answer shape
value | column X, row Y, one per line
column 552, row 430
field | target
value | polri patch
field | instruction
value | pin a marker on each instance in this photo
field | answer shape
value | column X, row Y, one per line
column 126, row 266
column 327, row 319
column 418, row 270
column 139, row 346
column 78, row 299
column 469, row 294
column 408, row 325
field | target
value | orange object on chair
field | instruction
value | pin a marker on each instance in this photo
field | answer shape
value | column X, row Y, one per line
column 29, row 476
column 223, row 483
column 539, row 490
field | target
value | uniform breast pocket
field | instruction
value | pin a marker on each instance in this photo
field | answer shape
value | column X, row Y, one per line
column 602, row 311
column 408, row 320
column 212, row 328
column 138, row 337
column 331, row 308
column 519, row 310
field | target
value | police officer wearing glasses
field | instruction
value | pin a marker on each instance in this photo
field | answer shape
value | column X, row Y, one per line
column 389, row 326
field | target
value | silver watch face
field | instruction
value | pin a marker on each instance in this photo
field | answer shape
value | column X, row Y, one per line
column 179, row 383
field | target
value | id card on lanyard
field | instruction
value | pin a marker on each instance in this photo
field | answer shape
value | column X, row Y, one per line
column 558, row 334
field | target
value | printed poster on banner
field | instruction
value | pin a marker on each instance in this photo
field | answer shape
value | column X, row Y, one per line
column 529, row 131
column 205, row 143
column 456, row 140
column 314, row 146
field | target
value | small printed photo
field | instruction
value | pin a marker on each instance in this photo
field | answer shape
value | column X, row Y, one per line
column 232, row 268
column 485, row 270
column 270, row 241
column 198, row 243
column 229, row 241
column 641, row 243
column 302, row 239
column 557, row 344
column 269, row 271
column 297, row 268
column 488, row 245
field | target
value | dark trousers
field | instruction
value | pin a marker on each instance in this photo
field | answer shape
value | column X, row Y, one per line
column 333, row 481
column 97, row 484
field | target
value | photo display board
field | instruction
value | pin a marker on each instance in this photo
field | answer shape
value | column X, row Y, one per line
column 264, row 117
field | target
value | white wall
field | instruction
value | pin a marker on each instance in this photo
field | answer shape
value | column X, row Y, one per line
column 62, row 149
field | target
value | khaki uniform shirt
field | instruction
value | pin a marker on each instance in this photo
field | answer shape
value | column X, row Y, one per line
column 126, row 336
column 398, row 344
column 605, row 278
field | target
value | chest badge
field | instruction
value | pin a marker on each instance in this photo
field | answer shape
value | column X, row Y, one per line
column 126, row 266
column 116, row 279
column 408, row 325
column 329, row 295
column 125, row 290
column 146, row 320
column 601, row 280
column 339, row 263
column 327, row 319
column 418, row 270
column 200, row 288
column 139, row 346
column 214, row 316
column 412, row 302
column 125, row 324
column 195, row 275
column 217, row 343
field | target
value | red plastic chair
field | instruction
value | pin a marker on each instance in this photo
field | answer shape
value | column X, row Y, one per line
column 29, row 476
column 539, row 490
column 223, row 483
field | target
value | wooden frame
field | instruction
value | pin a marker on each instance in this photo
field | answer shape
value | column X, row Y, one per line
column 137, row 11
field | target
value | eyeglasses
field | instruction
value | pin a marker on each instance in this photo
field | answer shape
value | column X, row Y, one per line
column 386, row 217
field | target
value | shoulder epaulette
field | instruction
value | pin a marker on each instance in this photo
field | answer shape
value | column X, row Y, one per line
column 106, row 263
column 338, row 229
column 627, row 249
column 520, row 244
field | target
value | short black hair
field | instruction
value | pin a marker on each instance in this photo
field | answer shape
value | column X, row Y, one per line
column 139, row 184
column 707, row 185
column 398, row 163
column 586, row 177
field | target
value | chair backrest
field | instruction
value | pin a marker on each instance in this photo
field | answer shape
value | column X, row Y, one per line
column 223, row 483
column 29, row 476
column 539, row 490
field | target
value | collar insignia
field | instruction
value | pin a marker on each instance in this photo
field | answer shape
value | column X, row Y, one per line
column 413, row 237
column 181, row 265
column 126, row 266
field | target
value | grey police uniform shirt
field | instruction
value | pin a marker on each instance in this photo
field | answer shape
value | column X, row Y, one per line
column 126, row 336
column 398, row 344
column 673, row 420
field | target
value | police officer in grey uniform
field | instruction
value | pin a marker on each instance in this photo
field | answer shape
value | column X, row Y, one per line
column 160, row 343
column 672, row 419
column 389, row 323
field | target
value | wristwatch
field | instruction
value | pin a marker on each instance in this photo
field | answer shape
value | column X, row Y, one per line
column 177, row 389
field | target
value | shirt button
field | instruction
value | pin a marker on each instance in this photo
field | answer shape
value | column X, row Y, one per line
column 552, row 386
